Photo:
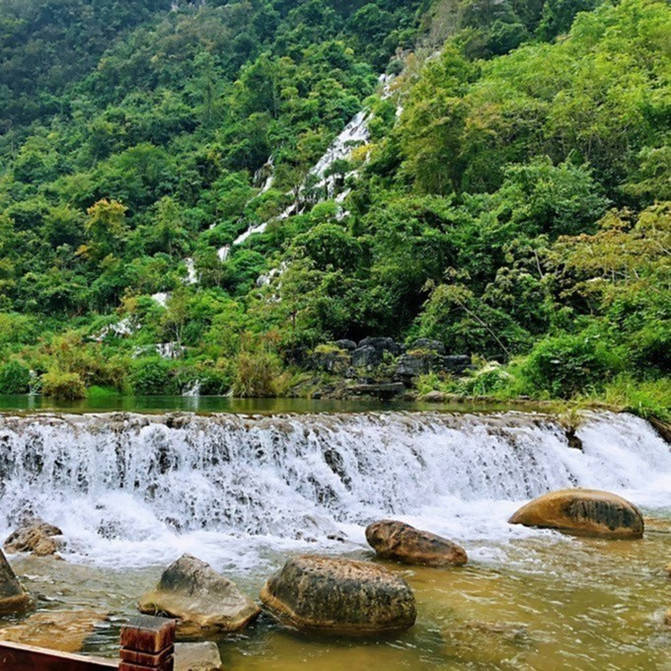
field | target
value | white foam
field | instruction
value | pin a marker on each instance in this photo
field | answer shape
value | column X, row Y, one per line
column 136, row 490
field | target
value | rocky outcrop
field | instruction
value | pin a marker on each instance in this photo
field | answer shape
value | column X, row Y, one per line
column 13, row 598
column 59, row 630
column 396, row 540
column 417, row 362
column 370, row 352
column 202, row 600
column 382, row 390
column 35, row 536
column 203, row 656
column 339, row 596
column 330, row 359
column 583, row 512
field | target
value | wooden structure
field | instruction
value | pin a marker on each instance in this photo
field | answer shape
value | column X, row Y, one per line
column 147, row 644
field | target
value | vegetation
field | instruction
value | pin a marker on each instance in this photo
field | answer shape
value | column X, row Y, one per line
column 516, row 208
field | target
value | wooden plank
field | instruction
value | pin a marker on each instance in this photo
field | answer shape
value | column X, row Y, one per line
column 19, row 657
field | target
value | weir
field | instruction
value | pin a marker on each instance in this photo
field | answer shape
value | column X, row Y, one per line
column 145, row 487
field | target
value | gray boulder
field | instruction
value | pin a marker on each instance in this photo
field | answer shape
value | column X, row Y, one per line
column 13, row 598
column 202, row 600
column 428, row 345
column 202, row 656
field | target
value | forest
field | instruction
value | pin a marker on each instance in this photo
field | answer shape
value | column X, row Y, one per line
column 166, row 220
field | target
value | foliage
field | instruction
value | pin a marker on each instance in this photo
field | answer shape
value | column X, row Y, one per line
column 14, row 378
column 62, row 385
column 512, row 200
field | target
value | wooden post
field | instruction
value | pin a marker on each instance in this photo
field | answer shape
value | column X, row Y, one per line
column 147, row 643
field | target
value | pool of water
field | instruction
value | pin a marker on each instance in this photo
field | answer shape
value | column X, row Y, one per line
column 217, row 404
column 548, row 602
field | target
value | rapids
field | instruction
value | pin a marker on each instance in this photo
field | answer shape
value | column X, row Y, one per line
column 137, row 490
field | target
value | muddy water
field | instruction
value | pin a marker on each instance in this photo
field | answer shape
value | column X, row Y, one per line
column 548, row 602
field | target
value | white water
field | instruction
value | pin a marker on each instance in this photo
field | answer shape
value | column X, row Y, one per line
column 137, row 490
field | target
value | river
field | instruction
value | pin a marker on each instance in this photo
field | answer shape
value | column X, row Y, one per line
column 133, row 491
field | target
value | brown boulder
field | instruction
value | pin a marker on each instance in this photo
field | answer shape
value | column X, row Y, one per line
column 202, row 600
column 397, row 540
column 339, row 596
column 582, row 512
column 34, row 536
column 13, row 598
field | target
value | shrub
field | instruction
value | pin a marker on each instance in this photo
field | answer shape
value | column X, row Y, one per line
column 256, row 375
column 14, row 378
column 62, row 385
column 569, row 363
column 152, row 376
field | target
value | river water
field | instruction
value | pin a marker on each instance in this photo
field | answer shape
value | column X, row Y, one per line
column 132, row 492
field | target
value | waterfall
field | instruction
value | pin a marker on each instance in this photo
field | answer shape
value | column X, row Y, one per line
column 139, row 488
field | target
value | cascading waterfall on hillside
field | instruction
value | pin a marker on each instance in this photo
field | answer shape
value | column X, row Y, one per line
column 138, row 489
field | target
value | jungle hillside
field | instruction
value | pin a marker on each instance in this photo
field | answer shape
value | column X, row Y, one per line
column 319, row 198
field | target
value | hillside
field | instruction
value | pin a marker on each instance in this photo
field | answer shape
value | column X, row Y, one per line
column 209, row 197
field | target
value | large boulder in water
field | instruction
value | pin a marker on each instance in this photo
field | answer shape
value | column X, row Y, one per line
column 13, row 598
column 202, row 600
column 396, row 540
column 582, row 512
column 35, row 536
column 339, row 596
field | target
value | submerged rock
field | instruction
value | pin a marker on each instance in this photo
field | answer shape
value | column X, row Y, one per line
column 667, row 618
column 13, row 598
column 339, row 596
column 197, row 657
column 35, row 536
column 202, row 600
column 59, row 630
column 484, row 644
column 396, row 540
column 583, row 512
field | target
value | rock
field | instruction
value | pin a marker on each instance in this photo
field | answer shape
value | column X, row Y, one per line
column 367, row 357
column 202, row 600
column 428, row 345
column 59, row 630
column 197, row 656
column 668, row 570
column 35, row 536
column 397, row 540
column 435, row 397
column 420, row 362
column 667, row 618
column 347, row 345
column 13, row 598
column 483, row 645
column 382, row 345
column 339, row 596
column 381, row 390
column 330, row 359
column 456, row 363
column 582, row 512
